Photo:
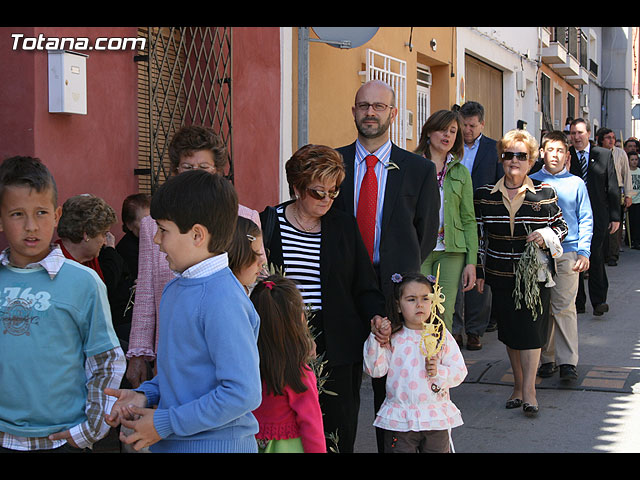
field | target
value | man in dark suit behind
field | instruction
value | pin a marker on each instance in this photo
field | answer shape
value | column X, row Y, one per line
column 604, row 193
column 408, row 201
column 473, row 309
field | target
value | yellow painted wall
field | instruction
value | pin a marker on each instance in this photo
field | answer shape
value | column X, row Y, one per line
column 334, row 79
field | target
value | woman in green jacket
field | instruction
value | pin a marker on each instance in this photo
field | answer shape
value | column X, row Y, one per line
column 456, row 248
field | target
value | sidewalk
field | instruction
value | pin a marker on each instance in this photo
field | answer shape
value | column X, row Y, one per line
column 600, row 412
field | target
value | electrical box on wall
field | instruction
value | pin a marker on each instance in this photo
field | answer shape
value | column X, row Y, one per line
column 67, row 82
column 409, row 128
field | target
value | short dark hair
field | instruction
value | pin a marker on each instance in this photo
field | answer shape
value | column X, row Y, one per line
column 472, row 109
column 194, row 138
column 581, row 120
column 554, row 136
column 27, row 172
column 131, row 205
column 199, row 197
column 602, row 131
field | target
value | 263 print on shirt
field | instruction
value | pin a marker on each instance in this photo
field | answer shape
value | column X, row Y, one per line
column 19, row 307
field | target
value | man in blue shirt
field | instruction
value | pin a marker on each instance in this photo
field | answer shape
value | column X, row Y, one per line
column 562, row 343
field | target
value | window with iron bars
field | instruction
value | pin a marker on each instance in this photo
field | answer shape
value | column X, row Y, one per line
column 393, row 72
column 184, row 78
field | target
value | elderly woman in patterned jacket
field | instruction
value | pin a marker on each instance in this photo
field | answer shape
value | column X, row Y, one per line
column 510, row 214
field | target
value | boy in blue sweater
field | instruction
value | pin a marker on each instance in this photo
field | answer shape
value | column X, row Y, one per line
column 208, row 380
column 58, row 349
column 562, row 344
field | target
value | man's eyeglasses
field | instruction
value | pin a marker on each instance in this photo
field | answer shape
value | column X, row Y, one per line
column 378, row 107
column 522, row 156
column 202, row 166
column 320, row 194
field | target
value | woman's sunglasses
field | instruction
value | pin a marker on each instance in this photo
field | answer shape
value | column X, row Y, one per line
column 522, row 156
column 320, row 194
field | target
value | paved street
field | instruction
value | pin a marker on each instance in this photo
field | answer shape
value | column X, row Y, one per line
column 600, row 412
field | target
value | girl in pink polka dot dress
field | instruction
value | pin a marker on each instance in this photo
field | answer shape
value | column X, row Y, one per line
column 417, row 413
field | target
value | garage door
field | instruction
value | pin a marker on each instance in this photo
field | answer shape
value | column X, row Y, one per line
column 483, row 84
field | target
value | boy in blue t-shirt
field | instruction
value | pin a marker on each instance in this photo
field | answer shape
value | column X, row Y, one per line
column 58, row 349
column 208, row 379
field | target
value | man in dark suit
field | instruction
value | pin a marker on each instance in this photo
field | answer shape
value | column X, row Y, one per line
column 408, row 200
column 473, row 309
column 403, row 196
column 598, row 171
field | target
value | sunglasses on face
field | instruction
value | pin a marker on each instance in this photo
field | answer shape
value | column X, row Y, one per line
column 522, row 156
column 321, row 194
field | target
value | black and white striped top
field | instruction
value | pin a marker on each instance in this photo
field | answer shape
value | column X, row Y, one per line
column 500, row 247
column 301, row 255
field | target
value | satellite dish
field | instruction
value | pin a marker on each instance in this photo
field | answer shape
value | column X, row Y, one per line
column 345, row 37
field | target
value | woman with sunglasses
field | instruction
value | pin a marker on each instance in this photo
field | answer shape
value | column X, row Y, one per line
column 511, row 213
column 456, row 250
column 321, row 249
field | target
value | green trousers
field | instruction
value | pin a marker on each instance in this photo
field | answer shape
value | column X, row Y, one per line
column 451, row 266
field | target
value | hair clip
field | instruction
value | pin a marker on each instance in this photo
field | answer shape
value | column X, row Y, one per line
column 431, row 279
column 251, row 238
column 269, row 284
column 396, row 278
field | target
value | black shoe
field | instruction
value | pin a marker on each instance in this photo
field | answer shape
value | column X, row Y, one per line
column 530, row 410
column 513, row 403
column 612, row 263
column 473, row 342
column 568, row 372
column 598, row 310
column 492, row 327
column 547, row 369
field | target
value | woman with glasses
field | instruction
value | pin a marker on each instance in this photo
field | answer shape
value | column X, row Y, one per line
column 511, row 213
column 192, row 147
column 321, row 249
column 456, row 250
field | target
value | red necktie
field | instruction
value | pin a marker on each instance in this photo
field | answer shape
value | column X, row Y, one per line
column 367, row 204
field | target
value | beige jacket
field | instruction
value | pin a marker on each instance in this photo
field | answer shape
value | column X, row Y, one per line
column 621, row 162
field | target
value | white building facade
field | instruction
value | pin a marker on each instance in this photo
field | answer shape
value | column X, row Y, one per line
column 536, row 77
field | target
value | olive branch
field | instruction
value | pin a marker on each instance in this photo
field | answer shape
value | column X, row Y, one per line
column 527, row 277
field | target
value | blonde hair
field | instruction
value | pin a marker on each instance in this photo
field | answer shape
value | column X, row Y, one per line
column 515, row 136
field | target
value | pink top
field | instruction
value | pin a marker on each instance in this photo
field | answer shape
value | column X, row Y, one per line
column 411, row 404
column 153, row 275
column 293, row 415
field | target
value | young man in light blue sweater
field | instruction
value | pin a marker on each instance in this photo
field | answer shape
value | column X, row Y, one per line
column 562, row 344
column 208, row 380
